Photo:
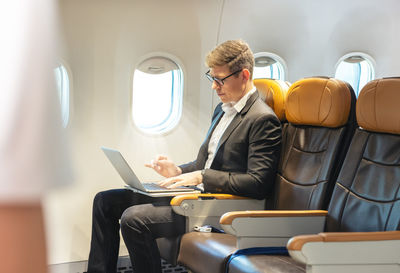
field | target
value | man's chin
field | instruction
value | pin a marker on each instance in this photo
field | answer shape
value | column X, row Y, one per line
column 223, row 99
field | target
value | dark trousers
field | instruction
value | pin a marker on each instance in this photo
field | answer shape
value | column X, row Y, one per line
column 143, row 219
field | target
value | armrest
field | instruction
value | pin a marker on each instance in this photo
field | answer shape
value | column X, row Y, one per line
column 207, row 208
column 349, row 251
column 212, row 204
column 271, row 228
column 177, row 200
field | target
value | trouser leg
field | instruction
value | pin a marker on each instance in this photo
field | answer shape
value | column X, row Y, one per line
column 108, row 207
column 141, row 225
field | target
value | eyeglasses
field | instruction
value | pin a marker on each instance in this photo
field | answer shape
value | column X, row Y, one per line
column 217, row 80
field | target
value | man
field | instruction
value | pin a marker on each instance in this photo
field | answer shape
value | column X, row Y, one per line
column 239, row 156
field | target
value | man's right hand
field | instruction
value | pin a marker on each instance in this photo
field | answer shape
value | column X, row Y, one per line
column 163, row 166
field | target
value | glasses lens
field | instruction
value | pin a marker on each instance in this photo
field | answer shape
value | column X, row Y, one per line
column 218, row 81
column 209, row 77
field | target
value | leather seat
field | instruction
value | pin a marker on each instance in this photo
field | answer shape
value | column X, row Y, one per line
column 273, row 92
column 321, row 121
column 365, row 204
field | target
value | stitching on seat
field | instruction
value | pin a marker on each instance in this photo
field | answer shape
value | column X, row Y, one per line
column 298, row 184
column 308, row 152
column 354, row 194
column 379, row 163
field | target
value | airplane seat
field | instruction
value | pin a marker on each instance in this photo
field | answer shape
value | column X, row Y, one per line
column 362, row 231
column 320, row 115
column 370, row 180
column 273, row 92
column 321, row 122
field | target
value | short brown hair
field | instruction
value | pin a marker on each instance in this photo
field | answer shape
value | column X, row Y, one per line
column 234, row 53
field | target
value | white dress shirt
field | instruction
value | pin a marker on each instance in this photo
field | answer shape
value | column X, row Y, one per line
column 230, row 110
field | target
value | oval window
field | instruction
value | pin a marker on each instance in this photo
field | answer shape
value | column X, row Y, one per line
column 157, row 95
column 62, row 82
column 357, row 69
column 269, row 65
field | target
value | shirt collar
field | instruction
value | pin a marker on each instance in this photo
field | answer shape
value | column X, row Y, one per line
column 228, row 107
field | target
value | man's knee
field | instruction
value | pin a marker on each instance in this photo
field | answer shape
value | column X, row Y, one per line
column 105, row 201
column 132, row 220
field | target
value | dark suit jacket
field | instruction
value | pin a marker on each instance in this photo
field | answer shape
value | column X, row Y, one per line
column 247, row 154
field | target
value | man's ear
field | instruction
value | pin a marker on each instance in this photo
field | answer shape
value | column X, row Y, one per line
column 246, row 74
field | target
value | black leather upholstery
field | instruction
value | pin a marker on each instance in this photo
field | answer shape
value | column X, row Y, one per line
column 368, row 185
column 310, row 159
column 308, row 165
column 366, row 196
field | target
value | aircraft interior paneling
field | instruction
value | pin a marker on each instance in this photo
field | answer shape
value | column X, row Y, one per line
column 102, row 42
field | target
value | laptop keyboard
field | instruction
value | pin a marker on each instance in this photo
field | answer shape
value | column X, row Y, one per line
column 153, row 186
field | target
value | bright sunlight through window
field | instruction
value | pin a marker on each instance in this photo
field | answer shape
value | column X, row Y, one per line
column 270, row 66
column 357, row 69
column 157, row 95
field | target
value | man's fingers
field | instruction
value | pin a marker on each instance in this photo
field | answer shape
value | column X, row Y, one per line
column 161, row 157
column 167, row 182
column 176, row 185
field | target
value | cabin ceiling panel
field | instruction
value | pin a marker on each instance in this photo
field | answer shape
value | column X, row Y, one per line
column 313, row 32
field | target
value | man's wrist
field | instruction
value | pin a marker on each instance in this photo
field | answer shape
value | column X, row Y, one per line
column 203, row 173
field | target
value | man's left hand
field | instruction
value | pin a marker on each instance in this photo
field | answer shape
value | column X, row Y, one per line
column 187, row 179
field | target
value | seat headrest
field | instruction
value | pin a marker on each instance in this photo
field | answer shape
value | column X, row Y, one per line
column 273, row 92
column 378, row 106
column 319, row 102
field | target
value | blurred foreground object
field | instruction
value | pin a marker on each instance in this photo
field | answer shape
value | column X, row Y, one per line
column 32, row 158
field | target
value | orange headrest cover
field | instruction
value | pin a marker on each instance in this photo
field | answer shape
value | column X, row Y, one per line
column 378, row 106
column 274, row 94
column 319, row 102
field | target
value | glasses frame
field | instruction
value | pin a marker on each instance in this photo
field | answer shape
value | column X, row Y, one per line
column 218, row 80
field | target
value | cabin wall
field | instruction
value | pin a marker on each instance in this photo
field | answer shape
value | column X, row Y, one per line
column 102, row 41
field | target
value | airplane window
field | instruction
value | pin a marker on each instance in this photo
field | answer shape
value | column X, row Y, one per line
column 269, row 65
column 157, row 95
column 62, row 82
column 357, row 69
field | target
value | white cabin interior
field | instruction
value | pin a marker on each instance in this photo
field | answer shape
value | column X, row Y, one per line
column 102, row 41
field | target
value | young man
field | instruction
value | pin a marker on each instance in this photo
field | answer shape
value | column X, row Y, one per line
column 239, row 156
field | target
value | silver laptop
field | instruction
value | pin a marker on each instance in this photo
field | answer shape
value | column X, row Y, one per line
column 130, row 178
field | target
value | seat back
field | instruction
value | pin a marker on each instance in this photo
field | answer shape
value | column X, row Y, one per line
column 273, row 92
column 366, row 196
column 321, row 120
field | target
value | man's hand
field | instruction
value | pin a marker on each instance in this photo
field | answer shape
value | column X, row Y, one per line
column 163, row 166
column 187, row 179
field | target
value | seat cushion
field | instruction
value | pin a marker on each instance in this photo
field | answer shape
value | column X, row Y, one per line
column 265, row 264
column 206, row 252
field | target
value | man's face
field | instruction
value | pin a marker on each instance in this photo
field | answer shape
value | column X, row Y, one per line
column 234, row 87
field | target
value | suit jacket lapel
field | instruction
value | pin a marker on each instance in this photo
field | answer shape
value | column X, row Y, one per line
column 212, row 127
column 237, row 119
